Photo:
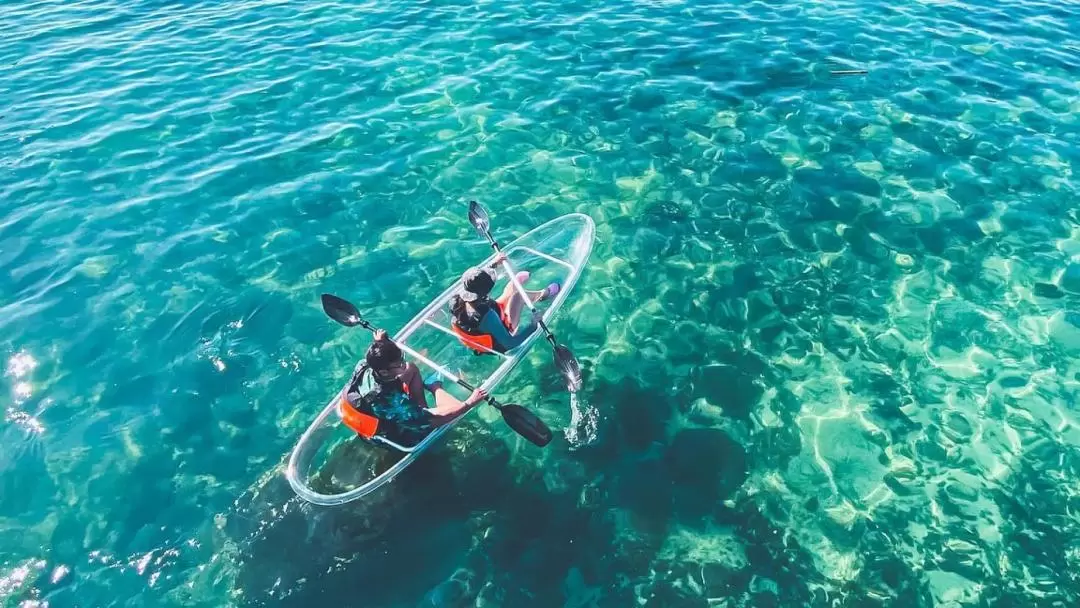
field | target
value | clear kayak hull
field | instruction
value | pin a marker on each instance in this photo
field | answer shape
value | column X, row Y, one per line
column 555, row 251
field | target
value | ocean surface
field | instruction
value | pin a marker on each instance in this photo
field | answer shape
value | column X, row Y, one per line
column 830, row 328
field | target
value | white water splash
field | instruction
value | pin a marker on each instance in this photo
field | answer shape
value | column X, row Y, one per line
column 583, row 423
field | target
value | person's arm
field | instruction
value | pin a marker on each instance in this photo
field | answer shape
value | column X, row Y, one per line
column 496, row 265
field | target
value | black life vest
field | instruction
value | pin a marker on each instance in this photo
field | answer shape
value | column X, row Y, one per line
column 469, row 320
column 357, row 408
column 466, row 324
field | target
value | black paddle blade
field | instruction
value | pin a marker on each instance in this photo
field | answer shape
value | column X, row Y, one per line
column 478, row 217
column 568, row 367
column 526, row 424
column 341, row 310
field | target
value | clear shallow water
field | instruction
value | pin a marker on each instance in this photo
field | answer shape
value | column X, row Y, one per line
column 831, row 328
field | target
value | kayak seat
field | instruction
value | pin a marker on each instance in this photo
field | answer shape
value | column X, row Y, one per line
column 365, row 425
column 370, row 428
column 479, row 344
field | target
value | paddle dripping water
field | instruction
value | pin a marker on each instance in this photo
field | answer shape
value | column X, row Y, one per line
column 584, row 420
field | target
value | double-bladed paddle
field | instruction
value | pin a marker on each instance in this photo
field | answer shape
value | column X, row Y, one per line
column 521, row 420
column 565, row 361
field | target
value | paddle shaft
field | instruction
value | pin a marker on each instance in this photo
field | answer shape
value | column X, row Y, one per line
column 520, row 289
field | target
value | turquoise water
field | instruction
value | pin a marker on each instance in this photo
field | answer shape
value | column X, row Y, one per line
column 830, row 330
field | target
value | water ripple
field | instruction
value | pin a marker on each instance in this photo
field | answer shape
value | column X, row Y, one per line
column 839, row 312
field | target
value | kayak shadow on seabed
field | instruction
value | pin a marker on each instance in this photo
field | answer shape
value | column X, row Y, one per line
column 300, row 552
column 473, row 520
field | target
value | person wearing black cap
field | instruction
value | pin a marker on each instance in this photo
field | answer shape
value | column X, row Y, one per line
column 495, row 321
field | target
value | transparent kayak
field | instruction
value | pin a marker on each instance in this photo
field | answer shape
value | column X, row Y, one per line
column 332, row 465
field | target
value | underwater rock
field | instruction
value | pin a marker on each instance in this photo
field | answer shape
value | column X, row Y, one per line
column 951, row 589
column 451, row 593
column 642, row 415
column 490, row 596
column 1047, row 290
column 728, row 387
column 590, row 316
column 764, row 592
column 729, row 314
column 1070, row 280
column 773, row 336
column 815, row 237
column 721, row 580
column 647, row 492
column 633, row 548
column 644, row 100
column 888, row 576
column 480, row 465
column 694, row 453
column 935, row 238
column 863, row 244
column 651, row 244
column 759, row 307
column 706, row 466
column 320, row 205
column 744, row 279
column 1065, row 332
column 674, row 594
column 964, row 229
column 775, row 446
column 842, row 305
column 793, row 297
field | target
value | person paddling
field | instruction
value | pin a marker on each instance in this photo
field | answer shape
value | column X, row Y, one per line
column 386, row 397
column 487, row 325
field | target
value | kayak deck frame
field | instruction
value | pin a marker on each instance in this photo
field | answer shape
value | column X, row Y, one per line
column 510, row 360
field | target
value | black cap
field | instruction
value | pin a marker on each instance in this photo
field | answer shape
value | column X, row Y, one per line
column 382, row 354
column 476, row 283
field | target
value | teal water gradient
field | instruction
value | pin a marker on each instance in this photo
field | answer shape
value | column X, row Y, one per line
column 830, row 329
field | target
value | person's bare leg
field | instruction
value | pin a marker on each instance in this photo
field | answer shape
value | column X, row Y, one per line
column 511, row 301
